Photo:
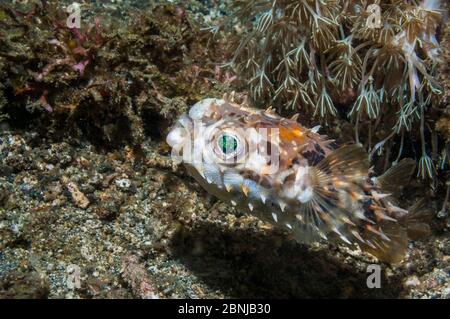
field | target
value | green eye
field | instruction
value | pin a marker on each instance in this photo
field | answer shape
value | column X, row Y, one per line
column 228, row 143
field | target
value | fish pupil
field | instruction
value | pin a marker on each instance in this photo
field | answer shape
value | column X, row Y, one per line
column 228, row 143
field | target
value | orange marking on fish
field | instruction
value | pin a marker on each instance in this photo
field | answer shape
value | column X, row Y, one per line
column 289, row 134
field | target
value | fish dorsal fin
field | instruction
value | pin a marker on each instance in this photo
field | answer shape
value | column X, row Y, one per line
column 396, row 177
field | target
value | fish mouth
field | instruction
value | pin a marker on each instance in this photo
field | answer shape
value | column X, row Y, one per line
column 180, row 131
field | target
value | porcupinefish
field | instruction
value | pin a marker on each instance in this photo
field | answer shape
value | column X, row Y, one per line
column 291, row 177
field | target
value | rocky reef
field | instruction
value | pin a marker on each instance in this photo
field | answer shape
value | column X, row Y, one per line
column 109, row 80
column 91, row 205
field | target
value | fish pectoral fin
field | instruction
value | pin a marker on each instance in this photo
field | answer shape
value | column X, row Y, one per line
column 348, row 163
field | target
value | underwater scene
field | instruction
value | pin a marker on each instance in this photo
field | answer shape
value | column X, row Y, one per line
column 189, row 149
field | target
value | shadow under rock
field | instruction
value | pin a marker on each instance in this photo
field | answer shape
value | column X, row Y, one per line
column 246, row 264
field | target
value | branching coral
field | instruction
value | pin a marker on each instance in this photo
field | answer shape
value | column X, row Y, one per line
column 327, row 58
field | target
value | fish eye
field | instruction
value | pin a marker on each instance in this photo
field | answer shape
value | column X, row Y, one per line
column 228, row 143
